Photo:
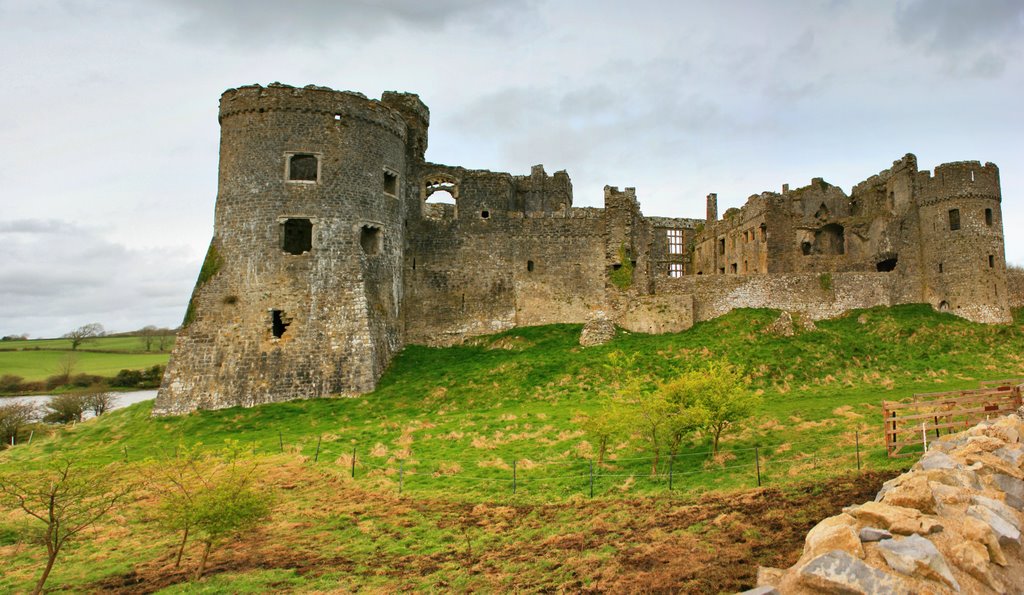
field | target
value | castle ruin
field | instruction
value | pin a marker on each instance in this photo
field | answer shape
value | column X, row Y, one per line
column 329, row 252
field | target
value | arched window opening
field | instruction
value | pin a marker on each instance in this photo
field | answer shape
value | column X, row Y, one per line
column 943, row 306
column 830, row 240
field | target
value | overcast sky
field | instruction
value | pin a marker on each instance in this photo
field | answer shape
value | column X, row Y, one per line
column 108, row 115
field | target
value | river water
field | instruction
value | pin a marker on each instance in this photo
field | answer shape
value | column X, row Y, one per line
column 120, row 399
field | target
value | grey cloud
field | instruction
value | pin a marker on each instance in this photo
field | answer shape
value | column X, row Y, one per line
column 951, row 25
column 312, row 22
column 972, row 39
column 57, row 274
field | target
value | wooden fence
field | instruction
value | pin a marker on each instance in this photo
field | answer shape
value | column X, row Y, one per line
column 916, row 422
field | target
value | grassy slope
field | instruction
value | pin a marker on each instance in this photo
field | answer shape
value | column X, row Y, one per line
column 456, row 418
column 106, row 356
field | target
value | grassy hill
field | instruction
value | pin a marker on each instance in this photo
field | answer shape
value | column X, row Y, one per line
column 456, row 428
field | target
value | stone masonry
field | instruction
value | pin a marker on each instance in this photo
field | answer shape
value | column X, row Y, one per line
column 952, row 524
column 330, row 251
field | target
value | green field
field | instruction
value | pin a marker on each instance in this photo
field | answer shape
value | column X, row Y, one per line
column 106, row 356
column 463, row 427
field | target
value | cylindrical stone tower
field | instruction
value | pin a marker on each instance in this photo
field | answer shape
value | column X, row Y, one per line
column 962, row 254
column 301, row 292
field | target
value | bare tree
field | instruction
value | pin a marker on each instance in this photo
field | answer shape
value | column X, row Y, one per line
column 149, row 334
column 84, row 333
column 66, row 500
column 99, row 403
column 13, row 417
column 164, row 338
column 66, row 366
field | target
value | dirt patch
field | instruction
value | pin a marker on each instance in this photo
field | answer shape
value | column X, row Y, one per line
column 652, row 544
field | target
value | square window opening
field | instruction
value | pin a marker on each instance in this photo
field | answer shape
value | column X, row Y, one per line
column 303, row 167
column 371, row 239
column 297, row 236
column 485, row 214
column 390, row 183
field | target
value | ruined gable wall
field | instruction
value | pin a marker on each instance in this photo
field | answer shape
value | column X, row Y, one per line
column 735, row 244
column 489, row 264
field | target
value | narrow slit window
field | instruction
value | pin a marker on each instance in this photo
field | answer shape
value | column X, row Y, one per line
column 278, row 326
column 297, row 236
column 303, row 167
column 390, row 183
column 991, row 261
column 988, row 217
column 529, row 266
column 954, row 219
column 721, row 245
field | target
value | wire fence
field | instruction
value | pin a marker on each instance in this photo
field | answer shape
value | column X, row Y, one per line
column 406, row 472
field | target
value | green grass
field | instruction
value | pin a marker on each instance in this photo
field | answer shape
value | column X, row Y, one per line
column 450, row 423
column 104, row 356
column 456, row 418
column 126, row 344
column 37, row 365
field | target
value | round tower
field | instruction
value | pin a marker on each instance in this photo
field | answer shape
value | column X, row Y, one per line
column 962, row 255
column 301, row 292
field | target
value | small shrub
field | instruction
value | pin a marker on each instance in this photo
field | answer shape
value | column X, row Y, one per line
column 64, row 409
column 10, row 383
column 56, row 380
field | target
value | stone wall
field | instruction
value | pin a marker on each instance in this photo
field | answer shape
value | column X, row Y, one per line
column 334, row 252
column 951, row 524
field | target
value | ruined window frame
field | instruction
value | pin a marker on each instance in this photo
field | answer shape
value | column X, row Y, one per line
column 371, row 239
column 675, row 270
column 289, row 155
column 954, row 219
column 283, row 233
column 391, row 182
column 675, row 241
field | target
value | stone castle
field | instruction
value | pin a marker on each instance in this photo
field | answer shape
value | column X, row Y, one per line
column 330, row 252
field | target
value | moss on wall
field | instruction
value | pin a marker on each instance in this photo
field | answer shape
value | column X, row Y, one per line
column 211, row 266
column 623, row 276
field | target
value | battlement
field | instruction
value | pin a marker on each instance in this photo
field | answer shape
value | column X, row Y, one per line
column 312, row 99
column 959, row 179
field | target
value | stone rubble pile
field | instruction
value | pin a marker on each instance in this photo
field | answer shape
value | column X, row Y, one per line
column 952, row 524
column 597, row 331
